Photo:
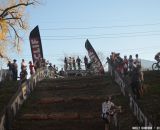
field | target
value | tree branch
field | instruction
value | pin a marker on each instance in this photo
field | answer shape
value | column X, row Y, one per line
column 11, row 18
column 16, row 34
column 3, row 14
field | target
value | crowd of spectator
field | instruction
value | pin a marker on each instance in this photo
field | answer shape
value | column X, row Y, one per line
column 69, row 64
column 74, row 64
column 129, row 67
column 124, row 65
column 13, row 68
column 33, row 67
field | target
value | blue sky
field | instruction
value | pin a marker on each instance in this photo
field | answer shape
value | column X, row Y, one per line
column 124, row 26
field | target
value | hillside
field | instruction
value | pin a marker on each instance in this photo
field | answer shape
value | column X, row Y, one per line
column 147, row 64
column 75, row 103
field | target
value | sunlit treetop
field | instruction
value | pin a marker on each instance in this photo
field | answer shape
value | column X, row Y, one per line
column 13, row 21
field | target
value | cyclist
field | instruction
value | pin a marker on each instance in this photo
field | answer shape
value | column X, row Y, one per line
column 157, row 57
column 156, row 66
column 109, row 110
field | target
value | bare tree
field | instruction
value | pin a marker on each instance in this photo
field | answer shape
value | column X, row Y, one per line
column 12, row 23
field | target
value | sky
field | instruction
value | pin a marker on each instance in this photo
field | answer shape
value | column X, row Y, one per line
column 125, row 26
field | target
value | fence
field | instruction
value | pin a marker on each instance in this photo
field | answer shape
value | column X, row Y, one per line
column 141, row 117
column 8, row 114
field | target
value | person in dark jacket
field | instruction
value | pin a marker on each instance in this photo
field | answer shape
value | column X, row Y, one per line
column 65, row 63
column 15, row 70
column 136, row 82
column 78, row 60
column 85, row 62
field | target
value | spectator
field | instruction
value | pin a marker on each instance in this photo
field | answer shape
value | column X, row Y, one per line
column 113, row 56
column 65, row 64
column 85, row 62
column 78, row 60
column 61, row 72
column 70, row 63
column 130, row 62
column 23, row 76
column 137, row 61
column 110, row 63
column 50, row 67
column 31, row 68
column 37, row 64
column 125, row 65
column 74, row 63
column 9, row 65
column 15, row 70
column 55, row 69
column 119, row 63
column 43, row 63
column 23, row 65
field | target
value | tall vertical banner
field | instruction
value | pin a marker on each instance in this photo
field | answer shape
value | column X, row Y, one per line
column 36, row 46
column 96, row 63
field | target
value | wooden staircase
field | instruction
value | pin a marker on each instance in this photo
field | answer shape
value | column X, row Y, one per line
column 71, row 104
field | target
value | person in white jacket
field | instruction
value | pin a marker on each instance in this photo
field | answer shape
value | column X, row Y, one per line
column 109, row 110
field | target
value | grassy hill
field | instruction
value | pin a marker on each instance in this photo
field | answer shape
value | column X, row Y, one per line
column 146, row 64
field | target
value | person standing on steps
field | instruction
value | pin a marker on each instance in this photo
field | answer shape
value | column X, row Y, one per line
column 70, row 63
column 78, row 60
column 74, row 63
column 31, row 68
column 125, row 65
column 15, row 70
column 10, row 66
column 109, row 112
column 130, row 63
column 137, row 61
column 85, row 62
column 23, row 65
column 65, row 63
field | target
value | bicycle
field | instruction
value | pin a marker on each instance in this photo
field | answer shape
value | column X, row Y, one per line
column 156, row 66
column 113, row 120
